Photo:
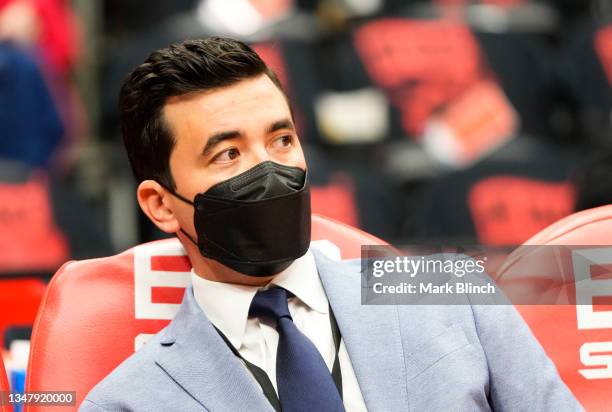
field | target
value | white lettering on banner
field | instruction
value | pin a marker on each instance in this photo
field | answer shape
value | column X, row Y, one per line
column 593, row 353
column 145, row 279
column 588, row 358
column 587, row 288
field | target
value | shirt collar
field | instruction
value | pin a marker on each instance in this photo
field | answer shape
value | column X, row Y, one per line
column 227, row 305
column 302, row 279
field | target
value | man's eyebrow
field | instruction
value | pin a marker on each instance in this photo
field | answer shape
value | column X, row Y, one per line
column 280, row 124
column 217, row 138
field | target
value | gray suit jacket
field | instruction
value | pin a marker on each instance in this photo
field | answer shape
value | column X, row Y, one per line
column 406, row 358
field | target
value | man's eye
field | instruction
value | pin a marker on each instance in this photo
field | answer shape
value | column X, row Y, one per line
column 283, row 141
column 227, row 155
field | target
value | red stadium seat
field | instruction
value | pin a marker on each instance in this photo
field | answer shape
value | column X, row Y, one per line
column 96, row 312
column 30, row 240
column 4, row 387
column 577, row 338
column 21, row 298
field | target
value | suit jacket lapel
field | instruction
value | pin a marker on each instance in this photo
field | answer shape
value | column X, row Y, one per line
column 196, row 357
column 371, row 335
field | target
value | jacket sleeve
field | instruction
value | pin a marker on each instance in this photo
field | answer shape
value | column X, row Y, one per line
column 89, row 406
column 522, row 377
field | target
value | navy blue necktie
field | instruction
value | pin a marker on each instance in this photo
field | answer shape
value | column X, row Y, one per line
column 304, row 383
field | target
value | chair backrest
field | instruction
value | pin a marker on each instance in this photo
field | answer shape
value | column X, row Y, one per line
column 4, row 386
column 21, row 299
column 577, row 338
column 97, row 312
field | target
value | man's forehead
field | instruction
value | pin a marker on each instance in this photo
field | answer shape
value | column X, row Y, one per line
column 248, row 92
column 192, row 119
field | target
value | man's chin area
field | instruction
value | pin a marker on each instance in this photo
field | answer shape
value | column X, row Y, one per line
column 213, row 270
column 216, row 271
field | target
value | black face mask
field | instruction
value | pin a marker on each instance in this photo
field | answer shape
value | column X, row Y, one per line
column 257, row 222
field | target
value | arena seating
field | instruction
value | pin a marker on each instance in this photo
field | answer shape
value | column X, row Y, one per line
column 21, row 298
column 578, row 338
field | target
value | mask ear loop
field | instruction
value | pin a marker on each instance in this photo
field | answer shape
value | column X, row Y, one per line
column 189, row 202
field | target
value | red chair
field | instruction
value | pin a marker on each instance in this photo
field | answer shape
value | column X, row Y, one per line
column 21, row 298
column 4, row 387
column 577, row 338
column 133, row 295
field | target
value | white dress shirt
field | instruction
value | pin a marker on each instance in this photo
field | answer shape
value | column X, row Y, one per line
column 227, row 306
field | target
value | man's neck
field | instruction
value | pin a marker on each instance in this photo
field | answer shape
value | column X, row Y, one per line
column 216, row 272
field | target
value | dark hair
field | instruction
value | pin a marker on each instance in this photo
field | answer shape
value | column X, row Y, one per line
column 187, row 67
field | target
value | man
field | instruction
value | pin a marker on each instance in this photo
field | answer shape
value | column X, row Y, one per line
column 269, row 323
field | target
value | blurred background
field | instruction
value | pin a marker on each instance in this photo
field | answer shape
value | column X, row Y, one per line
column 473, row 121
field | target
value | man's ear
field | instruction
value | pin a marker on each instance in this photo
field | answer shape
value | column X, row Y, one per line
column 155, row 202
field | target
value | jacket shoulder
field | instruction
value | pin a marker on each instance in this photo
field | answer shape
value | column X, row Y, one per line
column 137, row 382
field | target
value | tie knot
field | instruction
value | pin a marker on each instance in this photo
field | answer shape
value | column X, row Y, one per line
column 271, row 304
